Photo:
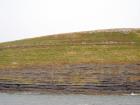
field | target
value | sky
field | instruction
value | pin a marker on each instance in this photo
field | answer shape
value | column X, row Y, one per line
column 21, row 19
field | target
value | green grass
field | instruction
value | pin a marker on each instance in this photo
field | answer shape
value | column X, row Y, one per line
column 72, row 48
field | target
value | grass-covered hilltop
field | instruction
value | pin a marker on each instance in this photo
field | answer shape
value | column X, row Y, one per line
column 97, row 61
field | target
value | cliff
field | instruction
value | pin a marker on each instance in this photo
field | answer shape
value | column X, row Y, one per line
column 94, row 62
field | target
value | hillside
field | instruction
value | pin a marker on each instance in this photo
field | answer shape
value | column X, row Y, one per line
column 71, row 48
column 80, row 58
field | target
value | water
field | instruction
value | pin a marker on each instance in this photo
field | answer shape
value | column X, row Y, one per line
column 47, row 99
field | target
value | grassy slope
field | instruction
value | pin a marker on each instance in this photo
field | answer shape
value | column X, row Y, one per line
column 73, row 48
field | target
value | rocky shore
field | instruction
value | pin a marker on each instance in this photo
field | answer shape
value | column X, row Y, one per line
column 77, row 79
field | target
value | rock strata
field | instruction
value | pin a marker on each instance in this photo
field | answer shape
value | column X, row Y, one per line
column 77, row 78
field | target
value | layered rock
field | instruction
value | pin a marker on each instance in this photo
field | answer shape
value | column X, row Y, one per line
column 78, row 78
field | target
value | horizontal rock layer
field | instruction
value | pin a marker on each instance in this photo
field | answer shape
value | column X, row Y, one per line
column 78, row 78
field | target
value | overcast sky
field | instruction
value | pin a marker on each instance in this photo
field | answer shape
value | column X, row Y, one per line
column 29, row 18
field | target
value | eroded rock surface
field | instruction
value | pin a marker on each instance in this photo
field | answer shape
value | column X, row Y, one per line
column 78, row 78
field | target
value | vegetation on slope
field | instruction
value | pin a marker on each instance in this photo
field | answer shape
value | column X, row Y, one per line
column 72, row 48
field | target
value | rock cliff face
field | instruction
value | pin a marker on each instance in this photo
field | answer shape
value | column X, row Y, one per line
column 77, row 78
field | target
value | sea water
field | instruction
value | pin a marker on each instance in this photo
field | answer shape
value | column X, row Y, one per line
column 61, row 99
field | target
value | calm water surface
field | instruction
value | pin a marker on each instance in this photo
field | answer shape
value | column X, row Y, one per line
column 47, row 99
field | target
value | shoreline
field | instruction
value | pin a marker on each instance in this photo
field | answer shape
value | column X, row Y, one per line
column 62, row 89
